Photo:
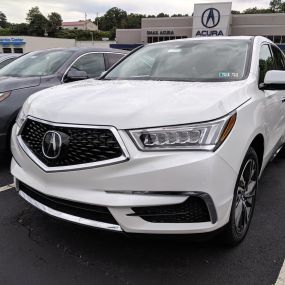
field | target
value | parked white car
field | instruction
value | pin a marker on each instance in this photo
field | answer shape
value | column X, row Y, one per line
column 172, row 140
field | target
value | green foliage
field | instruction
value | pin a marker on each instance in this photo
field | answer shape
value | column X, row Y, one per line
column 19, row 29
column 82, row 35
column 33, row 12
column 162, row 15
column 255, row 10
column 5, row 32
column 134, row 21
column 113, row 18
column 179, row 15
column 38, row 23
column 3, row 20
column 54, row 23
column 276, row 6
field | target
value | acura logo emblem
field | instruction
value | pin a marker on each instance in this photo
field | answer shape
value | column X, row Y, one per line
column 211, row 18
column 52, row 144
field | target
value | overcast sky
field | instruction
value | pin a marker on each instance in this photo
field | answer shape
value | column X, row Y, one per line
column 72, row 10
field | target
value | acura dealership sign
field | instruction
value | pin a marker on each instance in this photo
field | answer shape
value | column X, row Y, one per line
column 211, row 19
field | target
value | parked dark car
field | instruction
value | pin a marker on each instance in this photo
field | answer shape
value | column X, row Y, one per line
column 7, row 58
column 43, row 69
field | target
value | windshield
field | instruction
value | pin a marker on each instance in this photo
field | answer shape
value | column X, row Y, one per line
column 200, row 60
column 36, row 63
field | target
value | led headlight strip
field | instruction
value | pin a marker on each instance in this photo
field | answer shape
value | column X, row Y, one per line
column 204, row 136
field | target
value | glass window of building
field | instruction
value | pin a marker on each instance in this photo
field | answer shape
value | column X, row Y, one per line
column 7, row 50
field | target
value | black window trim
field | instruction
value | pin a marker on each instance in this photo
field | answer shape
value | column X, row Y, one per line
column 271, row 52
column 91, row 52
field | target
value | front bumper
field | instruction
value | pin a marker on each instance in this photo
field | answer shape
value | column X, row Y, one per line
column 147, row 179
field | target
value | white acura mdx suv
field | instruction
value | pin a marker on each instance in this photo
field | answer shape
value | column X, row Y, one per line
column 172, row 140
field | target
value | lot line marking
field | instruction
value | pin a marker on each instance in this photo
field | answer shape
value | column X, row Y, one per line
column 6, row 187
column 281, row 278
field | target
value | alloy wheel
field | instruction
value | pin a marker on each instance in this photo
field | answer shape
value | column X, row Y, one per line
column 245, row 197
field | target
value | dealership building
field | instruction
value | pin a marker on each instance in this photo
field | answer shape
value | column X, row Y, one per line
column 213, row 19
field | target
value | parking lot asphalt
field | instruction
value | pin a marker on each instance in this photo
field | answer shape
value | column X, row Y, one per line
column 38, row 249
column 5, row 177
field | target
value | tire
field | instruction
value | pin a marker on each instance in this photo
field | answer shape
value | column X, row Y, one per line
column 244, row 200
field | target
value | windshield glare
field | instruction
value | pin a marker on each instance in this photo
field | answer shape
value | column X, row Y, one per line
column 36, row 64
column 200, row 60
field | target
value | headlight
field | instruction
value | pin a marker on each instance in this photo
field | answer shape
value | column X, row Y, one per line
column 4, row 95
column 205, row 136
column 21, row 117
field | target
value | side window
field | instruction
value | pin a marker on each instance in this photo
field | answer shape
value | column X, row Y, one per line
column 278, row 58
column 93, row 64
column 266, row 62
column 113, row 58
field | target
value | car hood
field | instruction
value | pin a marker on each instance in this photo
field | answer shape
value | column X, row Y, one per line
column 13, row 83
column 137, row 104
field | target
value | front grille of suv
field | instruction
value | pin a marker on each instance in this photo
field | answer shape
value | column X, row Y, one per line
column 193, row 210
column 85, row 145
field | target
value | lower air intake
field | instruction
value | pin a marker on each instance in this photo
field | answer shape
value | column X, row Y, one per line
column 193, row 210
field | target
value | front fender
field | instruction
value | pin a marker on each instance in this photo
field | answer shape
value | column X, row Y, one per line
column 249, row 124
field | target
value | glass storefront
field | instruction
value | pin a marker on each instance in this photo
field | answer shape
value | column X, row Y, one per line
column 277, row 39
column 163, row 39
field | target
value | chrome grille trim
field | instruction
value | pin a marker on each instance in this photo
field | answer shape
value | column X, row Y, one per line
column 68, row 217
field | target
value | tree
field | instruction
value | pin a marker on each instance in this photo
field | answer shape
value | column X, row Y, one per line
column 113, row 18
column 54, row 22
column 19, row 29
column 37, row 22
column 162, row 15
column 179, row 15
column 255, row 10
column 134, row 21
column 34, row 11
column 276, row 6
column 234, row 12
column 3, row 20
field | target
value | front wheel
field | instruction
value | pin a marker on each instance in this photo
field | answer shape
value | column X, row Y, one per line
column 244, row 200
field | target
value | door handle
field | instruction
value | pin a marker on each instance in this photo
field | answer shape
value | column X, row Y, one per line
column 283, row 100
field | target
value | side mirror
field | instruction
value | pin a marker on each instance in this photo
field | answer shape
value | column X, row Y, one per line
column 75, row 75
column 274, row 80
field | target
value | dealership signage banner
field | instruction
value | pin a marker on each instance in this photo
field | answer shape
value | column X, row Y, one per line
column 161, row 33
column 12, row 41
column 212, row 19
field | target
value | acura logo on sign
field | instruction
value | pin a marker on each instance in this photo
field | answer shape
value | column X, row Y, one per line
column 51, row 145
column 211, row 18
